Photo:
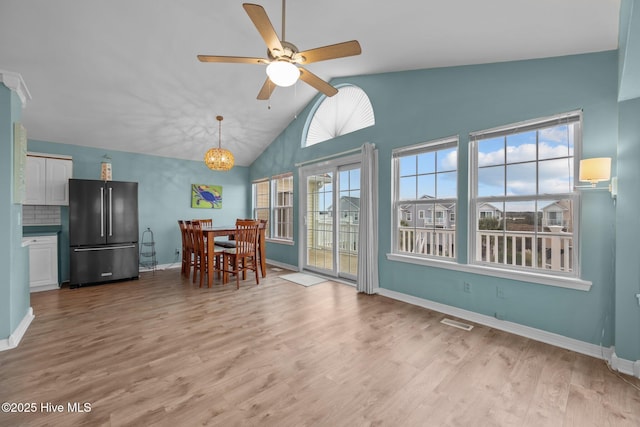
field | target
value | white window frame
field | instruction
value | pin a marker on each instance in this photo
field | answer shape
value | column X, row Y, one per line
column 431, row 146
column 257, row 210
column 574, row 118
column 282, row 210
column 275, row 208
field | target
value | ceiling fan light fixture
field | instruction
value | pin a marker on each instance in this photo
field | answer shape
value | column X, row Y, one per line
column 283, row 73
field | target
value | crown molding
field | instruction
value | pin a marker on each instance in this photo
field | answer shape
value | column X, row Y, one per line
column 15, row 82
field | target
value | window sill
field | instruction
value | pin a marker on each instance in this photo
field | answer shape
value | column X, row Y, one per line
column 541, row 279
column 280, row 241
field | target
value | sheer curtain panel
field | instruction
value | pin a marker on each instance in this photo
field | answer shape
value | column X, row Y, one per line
column 368, row 231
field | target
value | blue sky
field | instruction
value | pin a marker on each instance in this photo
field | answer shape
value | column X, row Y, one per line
column 554, row 167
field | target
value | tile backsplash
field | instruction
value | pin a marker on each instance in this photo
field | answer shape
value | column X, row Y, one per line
column 40, row 215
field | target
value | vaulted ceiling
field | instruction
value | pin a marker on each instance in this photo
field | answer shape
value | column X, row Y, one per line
column 123, row 75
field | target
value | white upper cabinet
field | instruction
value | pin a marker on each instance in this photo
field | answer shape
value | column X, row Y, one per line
column 47, row 180
column 35, row 178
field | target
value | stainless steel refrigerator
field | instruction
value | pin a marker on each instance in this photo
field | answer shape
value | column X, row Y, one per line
column 103, row 231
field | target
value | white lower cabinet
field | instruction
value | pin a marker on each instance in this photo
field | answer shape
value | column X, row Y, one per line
column 43, row 262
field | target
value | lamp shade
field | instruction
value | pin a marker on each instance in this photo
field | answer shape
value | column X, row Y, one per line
column 595, row 170
column 283, row 73
column 219, row 159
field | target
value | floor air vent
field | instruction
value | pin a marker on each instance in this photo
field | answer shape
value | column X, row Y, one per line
column 457, row 324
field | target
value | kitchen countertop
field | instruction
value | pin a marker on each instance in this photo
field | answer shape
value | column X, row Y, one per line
column 41, row 230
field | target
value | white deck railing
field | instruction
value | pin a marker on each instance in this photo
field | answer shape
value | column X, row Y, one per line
column 321, row 236
column 551, row 251
column 427, row 241
column 547, row 250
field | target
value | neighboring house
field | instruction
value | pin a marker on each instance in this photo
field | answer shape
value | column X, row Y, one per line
column 429, row 214
column 487, row 210
column 557, row 214
column 349, row 209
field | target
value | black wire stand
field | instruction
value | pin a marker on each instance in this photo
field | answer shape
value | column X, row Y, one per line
column 148, row 251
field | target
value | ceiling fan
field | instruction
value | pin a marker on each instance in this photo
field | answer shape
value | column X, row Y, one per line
column 284, row 60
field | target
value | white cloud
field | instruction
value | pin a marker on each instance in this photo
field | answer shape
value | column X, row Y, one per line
column 552, row 174
column 450, row 162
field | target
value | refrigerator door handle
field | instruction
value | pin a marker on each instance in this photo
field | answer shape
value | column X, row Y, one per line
column 101, row 211
column 110, row 211
column 103, row 248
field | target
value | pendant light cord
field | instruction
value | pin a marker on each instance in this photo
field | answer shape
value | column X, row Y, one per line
column 219, row 119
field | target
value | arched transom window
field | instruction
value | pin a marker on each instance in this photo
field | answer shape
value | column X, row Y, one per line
column 347, row 111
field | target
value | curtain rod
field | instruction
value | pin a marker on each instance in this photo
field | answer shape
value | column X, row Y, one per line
column 330, row 156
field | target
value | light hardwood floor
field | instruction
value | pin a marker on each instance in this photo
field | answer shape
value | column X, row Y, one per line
column 161, row 351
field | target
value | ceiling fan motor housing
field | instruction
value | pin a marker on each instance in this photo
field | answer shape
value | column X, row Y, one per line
column 290, row 53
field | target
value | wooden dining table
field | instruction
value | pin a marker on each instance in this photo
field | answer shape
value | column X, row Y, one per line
column 210, row 233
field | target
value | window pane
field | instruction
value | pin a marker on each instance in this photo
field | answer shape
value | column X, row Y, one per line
column 428, row 219
column 491, row 181
column 261, row 192
column 520, row 216
column 556, row 176
column 407, row 165
column 408, row 188
column 344, row 177
column 554, row 142
column 406, row 229
column 427, row 162
column 521, row 147
column 491, row 151
column 426, row 186
column 556, row 215
column 490, row 216
column 521, row 179
column 489, row 235
column 447, row 185
column 448, row 160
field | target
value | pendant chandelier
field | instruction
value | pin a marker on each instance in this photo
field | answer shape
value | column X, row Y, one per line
column 219, row 159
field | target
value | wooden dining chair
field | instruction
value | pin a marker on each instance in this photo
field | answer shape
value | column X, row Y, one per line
column 190, row 248
column 201, row 255
column 244, row 256
column 204, row 223
column 187, row 252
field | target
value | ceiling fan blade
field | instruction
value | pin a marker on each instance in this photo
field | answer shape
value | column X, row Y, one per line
column 267, row 89
column 333, row 51
column 315, row 81
column 232, row 59
column 265, row 28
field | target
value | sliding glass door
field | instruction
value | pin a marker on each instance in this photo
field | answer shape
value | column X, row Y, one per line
column 331, row 218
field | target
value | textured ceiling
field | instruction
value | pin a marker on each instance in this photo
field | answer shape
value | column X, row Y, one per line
column 123, row 75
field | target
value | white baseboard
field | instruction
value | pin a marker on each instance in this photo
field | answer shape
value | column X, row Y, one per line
column 44, row 288
column 161, row 267
column 625, row 366
column 283, row 265
column 15, row 338
column 608, row 354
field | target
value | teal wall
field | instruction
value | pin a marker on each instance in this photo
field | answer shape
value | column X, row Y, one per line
column 629, row 47
column 628, row 233
column 164, row 192
column 14, row 272
column 416, row 106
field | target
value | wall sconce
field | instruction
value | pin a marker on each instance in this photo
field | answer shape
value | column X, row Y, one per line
column 595, row 170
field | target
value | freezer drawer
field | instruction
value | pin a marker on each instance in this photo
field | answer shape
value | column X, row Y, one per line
column 103, row 264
